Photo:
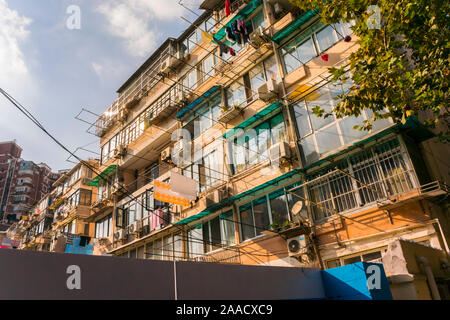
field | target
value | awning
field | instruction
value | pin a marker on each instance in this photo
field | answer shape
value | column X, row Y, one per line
column 197, row 101
column 271, row 109
column 294, row 25
column 247, row 10
column 252, row 192
column 94, row 182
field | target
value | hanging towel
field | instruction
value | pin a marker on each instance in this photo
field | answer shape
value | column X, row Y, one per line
column 227, row 8
column 232, row 52
column 207, row 37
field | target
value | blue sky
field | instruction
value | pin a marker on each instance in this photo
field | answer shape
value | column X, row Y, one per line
column 55, row 71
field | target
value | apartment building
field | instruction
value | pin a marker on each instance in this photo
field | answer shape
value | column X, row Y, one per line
column 229, row 104
column 72, row 199
column 22, row 182
column 34, row 231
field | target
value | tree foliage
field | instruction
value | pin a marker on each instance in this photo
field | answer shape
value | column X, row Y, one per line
column 401, row 69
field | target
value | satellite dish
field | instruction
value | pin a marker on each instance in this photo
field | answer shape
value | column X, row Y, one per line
column 297, row 207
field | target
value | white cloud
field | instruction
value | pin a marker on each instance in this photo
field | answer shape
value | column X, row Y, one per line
column 130, row 20
column 13, row 30
column 98, row 68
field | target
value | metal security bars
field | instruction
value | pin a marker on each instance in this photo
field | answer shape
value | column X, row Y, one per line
column 381, row 172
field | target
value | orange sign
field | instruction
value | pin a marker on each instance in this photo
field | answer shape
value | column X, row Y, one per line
column 162, row 192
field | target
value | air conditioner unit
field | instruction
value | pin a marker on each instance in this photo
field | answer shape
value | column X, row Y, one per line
column 139, row 225
column 180, row 98
column 217, row 196
column 166, row 154
column 131, row 228
column 298, row 245
column 120, row 151
column 179, row 148
column 165, row 66
column 268, row 90
column 123, row 114
column 118, row 235
column 258, row 38
column 281, row 150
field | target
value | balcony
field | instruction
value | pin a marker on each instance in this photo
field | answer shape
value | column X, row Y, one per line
column 427, row 191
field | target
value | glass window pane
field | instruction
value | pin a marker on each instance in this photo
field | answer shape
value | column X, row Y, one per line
column 195, row 240
column 248, row 230
column 178, row 246
column 349, row 134
column 352, row 260
column 319, row 98
column 157, row 249
column 257, row 77
column 328, row 139
column 279, row 210
column 168, row 248
column 216, row 238
column 229, row 236
column 306, row 51
column 261, row 214
column 309, row 149
column 302, row 118
column 326, row 38
column 291, row 61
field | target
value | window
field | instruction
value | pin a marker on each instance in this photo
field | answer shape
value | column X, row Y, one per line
column 206, row 171
column 195, row 241
column 81, row 197
column 264, row 213
column 258, row 20
column 236, row 93
column 311, row 42
column 245, row 89
column 212, row 235
column 253, row 146
column 207, row 67
column 103, row 227
column 319, row 135
column 382, row 168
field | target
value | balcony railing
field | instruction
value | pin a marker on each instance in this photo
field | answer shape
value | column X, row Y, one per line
column 139, row 88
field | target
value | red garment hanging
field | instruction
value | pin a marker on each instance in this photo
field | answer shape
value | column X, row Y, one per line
column 227, row 8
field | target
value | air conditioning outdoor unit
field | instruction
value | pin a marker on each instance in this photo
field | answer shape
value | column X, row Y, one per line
column 120, row 151
column 118, row 235
column 166, row 154
column 165, row 66
column 132, row 228
column 139, row 225
column 123, row 114
column 298, row 245
column 268, row 90
column 258, row 38
column 281, row 150
column 179, row 149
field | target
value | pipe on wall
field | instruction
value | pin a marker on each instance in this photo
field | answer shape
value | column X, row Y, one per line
column 430, row 278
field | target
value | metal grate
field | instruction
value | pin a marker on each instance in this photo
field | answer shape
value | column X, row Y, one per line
column 380, row 172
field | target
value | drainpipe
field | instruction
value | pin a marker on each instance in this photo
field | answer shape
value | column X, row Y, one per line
column 430, row 278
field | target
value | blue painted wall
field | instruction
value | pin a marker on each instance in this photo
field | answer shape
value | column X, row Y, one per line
column 75, row 248
column 351, row 282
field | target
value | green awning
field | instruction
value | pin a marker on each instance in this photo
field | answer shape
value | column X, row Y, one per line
column 271, row 109
column 94, row 182
column 246, row 11
column 294, row 25
column 252, row 192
